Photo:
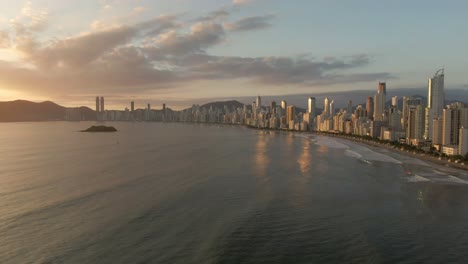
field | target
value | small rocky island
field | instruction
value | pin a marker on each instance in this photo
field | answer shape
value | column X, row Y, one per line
column 100, row 129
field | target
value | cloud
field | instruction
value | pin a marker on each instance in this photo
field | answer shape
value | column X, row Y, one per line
column 158, row 25
column 30, row 20
column 163, row 52
column 284, row 70
column 4, row 39
column 251, row 23
column 241, row 2
column 201, row 36
column 77, row 51
column 219, row 14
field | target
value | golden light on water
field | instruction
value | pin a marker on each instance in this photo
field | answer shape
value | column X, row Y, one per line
column 261, row 156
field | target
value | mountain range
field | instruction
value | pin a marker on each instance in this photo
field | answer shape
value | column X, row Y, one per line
column 26, row 111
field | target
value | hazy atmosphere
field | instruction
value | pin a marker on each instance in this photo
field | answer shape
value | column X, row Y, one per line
column 177, row 51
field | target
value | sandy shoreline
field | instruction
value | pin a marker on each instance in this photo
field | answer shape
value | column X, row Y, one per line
column 423, row 157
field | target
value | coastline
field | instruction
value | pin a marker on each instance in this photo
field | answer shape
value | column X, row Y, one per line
column 422, row 157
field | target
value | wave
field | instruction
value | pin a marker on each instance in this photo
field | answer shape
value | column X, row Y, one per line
column 356, row 151
column 417, row 178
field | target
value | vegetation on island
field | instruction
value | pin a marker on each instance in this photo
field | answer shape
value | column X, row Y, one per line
column 100, row 129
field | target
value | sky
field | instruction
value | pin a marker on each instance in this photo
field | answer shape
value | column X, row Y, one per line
column 179, row 51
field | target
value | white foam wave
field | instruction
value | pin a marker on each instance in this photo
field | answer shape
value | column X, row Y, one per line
column 352, row 154
column 330, row 142
column 369, row 154
column 417, row 178
column 451, row 179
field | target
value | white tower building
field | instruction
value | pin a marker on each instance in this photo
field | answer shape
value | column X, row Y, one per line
column 435, row 101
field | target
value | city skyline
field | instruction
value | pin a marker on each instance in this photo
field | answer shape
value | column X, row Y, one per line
column 158, row 50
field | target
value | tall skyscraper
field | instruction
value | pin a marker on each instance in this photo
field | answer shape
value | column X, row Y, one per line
column 437, row 130
column 259, row 103
column 290, row 113
column 349, row 109
column 436, row 95
column 382, row 88
column 149, row 107
column 132, row 106
column 463, row 141
column 415, row 123
column 273, row 107
column 332, row 108
column 326, row 106
column 394, row 119
column 311, row 107
column 395, row 101
column 435, row 101
column 370, row 107
column 284, row 105
column 454, row 117
column 97, row 104
column 102, row 104
column 379, row 102
column 404, row 114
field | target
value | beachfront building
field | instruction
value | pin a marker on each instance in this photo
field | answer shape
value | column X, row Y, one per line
column 415, row 126
column 379, row 102
column 435, row 102
column 463, row 141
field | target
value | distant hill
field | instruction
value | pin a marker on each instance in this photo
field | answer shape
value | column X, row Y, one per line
column 230, row 104
column 87, row 113
column 21, row 110
column 24, row 111
column 235, row 104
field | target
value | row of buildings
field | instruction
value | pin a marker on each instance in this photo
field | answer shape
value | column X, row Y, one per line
column 410, row 120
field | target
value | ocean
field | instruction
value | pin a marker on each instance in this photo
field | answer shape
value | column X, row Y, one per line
column 197, row 193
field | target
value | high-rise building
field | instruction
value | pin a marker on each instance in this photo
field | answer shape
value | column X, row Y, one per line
column 290, row 113
column 102, row 104
column 395, row 101
column 435, row 101
column 284, row 105
column 326, row 106
column 359, row 112
column 148, row 113
column 394, row 119
column 436, row 95
column 311, row 107
column 97, row 104
column 404, row 114
column 259, row 103
column 332, row 108
column 415, row 125
column 454, row 117
column 463, row 141
column 370, row 107
column 273, row 107
column 349, row 109
column 382, row 88
column 132, row 106
column 437, row 130
column 379, row 102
